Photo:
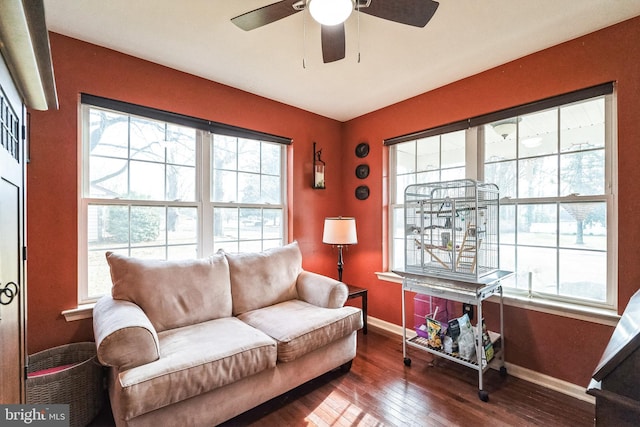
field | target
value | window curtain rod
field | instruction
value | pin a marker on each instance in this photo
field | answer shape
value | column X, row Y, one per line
column 532, row 107
column 182, row 120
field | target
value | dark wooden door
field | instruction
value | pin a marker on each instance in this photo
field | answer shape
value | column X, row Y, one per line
column 12, row 241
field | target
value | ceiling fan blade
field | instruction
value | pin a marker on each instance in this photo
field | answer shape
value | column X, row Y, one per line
column 410, row 12
column 333, row 42
column 265, row 15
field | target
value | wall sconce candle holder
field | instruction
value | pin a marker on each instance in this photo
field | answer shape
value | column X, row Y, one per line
column 318, row 169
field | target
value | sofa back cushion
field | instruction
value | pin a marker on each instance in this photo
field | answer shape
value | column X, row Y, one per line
column 264, row 278
column 173, row 293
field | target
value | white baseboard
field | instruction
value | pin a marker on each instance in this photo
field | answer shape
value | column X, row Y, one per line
column 561, row 386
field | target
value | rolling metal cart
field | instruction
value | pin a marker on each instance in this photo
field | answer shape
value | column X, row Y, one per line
column 452, row 252
column 466, row 293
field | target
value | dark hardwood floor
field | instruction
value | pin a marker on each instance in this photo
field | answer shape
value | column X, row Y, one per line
column 381, row 391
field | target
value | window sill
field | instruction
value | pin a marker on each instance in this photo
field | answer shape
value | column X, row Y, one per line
column 573, row 311
column 83, row 311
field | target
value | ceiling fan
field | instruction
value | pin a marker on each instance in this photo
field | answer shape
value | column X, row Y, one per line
column 332, row 14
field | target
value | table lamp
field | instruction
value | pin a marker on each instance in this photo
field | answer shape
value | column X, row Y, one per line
column 340, row 231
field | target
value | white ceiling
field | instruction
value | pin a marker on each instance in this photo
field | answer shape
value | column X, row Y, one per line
column 397, row 61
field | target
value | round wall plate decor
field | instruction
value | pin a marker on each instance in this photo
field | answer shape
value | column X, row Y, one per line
column 362, row 150
column 362, row 192
column 362, row 171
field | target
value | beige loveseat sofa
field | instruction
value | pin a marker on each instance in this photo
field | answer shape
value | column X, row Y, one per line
column 197, row 342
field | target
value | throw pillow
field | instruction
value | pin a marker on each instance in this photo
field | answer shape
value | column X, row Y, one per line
column 264, row 278
column 173, row 293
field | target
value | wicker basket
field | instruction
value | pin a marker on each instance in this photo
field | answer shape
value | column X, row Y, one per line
column 80, row 386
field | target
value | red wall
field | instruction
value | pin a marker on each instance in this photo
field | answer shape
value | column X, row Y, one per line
column 556, row 346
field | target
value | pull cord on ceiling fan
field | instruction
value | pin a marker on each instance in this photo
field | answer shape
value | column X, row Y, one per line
column 416, row 13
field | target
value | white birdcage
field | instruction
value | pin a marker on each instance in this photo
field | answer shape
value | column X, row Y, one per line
column 451, row 229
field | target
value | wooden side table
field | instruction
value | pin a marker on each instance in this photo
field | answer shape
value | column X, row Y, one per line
column 355, row 292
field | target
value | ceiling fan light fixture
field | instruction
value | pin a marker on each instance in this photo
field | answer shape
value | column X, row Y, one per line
column 330, row 12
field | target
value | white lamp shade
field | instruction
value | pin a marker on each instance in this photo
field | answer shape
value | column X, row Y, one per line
column 340, row 231
column 330, row 12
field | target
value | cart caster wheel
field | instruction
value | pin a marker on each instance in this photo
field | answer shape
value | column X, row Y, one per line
column 483, row 395
column 407, row 361
column 503, row 371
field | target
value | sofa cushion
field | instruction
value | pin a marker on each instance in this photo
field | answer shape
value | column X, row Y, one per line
column 194, row 360
column 264, row 278
column 173, row 293
column 300, row 327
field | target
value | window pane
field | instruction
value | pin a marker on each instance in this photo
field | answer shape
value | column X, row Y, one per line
column 98, row 273
column 250, row 224
column 182, row 252
column 453, row 149
column 181, row 145
column 583, row 274
column 256, row 178
column 181, row 183
column 583, row 225
column 582, row 173
column 405, row 157
column 147, row 226
column 224, row 186
column 147, row 140
column 271, row 159
column 250, row 246
column 538, row 177
column 108, row 134
column 224, row 152
column 507, row 224
column 248, row 188
column 147, row 181
column 538, row 134
column 498, row 147
column 542, row 264
column 108, row 178
column 182, row 226
column 583, row 125
column 268, row 244
column 116, row 224
column 402, row 182
column 537, row 225
column 248, row 155
column 451, row 174
column 225, row 224
column 272, row 225
column 431, row 176
column 508, row 263
column 428, row 154
column 270, row 189
column 502, row 174
column 150, row 252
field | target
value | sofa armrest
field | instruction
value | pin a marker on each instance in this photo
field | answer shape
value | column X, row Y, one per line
column 321, row 290
column 125, row 337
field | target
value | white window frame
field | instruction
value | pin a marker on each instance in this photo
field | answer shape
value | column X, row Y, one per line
column 587, row 310
column 202, row 202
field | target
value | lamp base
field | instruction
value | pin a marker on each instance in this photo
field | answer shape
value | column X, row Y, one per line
column 340, row 263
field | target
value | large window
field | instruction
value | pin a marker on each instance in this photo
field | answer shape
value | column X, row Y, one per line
column 553, row 166
column 147, row 193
